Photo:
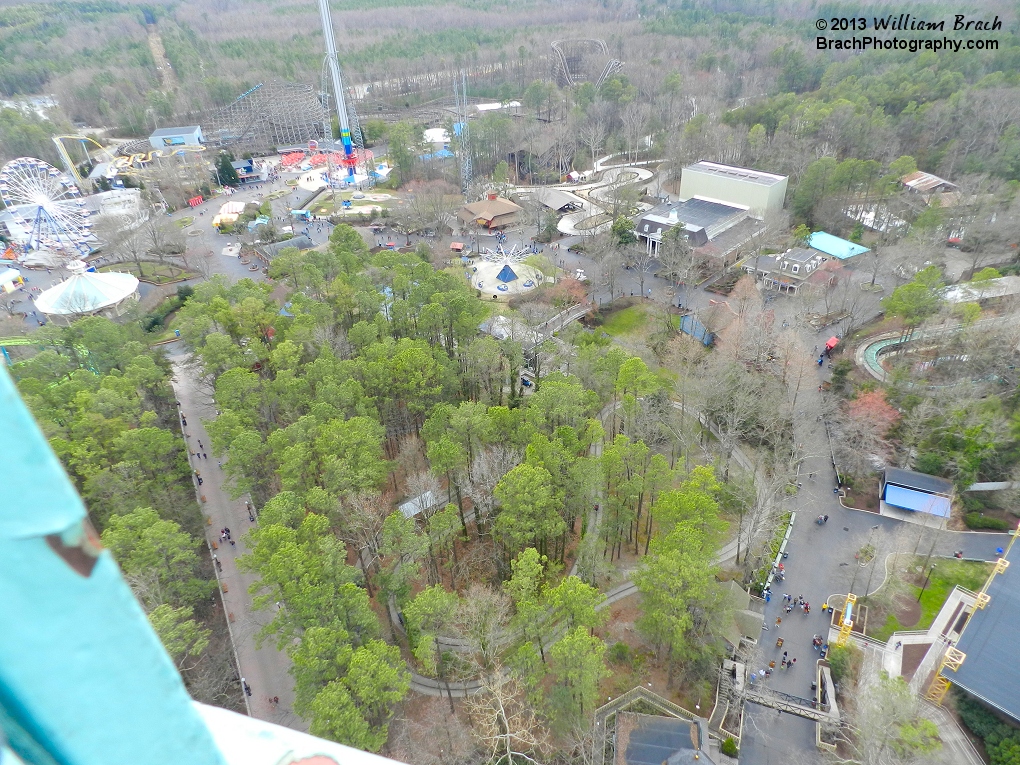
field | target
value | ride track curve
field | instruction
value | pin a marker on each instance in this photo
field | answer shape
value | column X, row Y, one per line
column 869, row 353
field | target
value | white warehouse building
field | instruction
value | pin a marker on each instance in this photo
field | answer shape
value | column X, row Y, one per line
column 757, row 192
column 177, row 136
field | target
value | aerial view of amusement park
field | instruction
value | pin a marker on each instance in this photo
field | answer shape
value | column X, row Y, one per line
column 447, row 382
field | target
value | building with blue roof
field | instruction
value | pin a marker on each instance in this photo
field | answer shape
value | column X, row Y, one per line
column 834, row 246
column 689, row 325
column 917, row 492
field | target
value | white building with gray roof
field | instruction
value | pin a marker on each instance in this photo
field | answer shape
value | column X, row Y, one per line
column 760, row 193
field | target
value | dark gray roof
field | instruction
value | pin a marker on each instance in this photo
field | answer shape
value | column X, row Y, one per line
column 694, row 213
column 555, row 199
column 991, row 672
column 654, row 740
column 920, row 481
column 172, row 131
column 302, row 242
column 800, row 255
column 766, row 263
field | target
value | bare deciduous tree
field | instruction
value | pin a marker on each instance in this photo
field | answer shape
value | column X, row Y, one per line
column 593, row 134
column 435, row 738
column 488, row 467
column 506, row 723
column 482, row 617
column 361, row 519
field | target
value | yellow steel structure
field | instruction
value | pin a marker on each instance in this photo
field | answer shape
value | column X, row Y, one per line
column 953, row 657
column 130, row 164
column 69, row 164
column 846, row 624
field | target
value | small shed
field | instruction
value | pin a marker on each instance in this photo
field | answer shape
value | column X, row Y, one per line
column 270, row 251
column 919, row 492
column 419, row 504
column 689, row 325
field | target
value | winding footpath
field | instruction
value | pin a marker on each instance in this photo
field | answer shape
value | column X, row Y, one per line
column 459, row 688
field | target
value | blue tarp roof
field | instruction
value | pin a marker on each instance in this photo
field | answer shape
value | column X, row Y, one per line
column 834, row 246
column 441, row 154
column 909, row 499
column 691, row 326
column 507, row 274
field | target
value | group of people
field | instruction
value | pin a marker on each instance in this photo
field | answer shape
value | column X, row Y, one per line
column 225, row 536
column 764, row 674
column 792, row 602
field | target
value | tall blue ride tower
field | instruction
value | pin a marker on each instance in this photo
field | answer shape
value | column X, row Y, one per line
column 348, row 126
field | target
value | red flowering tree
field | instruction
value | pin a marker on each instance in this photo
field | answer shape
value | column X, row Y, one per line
column 861, row 432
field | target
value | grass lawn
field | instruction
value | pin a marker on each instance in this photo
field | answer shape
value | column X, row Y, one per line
column 947, row 575
column 158, row 273
column 167, row 334
column 185, row 221
column 625, row 322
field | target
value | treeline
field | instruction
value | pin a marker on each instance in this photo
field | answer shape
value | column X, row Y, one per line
column 104, row 401
column 380, row 386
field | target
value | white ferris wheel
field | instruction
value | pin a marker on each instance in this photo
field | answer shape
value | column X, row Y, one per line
column 47, row 204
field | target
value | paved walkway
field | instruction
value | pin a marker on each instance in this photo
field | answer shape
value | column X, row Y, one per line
column 265, row 669
column 821, row 560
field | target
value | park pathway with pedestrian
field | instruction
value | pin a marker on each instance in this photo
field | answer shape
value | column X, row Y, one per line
column 265, row 669
column 821, row 562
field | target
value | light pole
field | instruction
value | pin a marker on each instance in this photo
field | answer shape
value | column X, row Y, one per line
column 926, row 578
column 860, row 565
column 867, row 589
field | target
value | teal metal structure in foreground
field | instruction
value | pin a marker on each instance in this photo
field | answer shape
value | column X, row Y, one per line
column 83, row 678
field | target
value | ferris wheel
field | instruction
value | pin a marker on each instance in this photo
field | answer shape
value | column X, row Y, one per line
column 48, row 204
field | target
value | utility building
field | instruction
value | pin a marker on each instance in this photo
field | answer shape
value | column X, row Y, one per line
column 165, row 138
column 916, row 492
column 757, row 192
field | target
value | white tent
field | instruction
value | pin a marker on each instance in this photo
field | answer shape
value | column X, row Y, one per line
column 10, row 279
column 86, row 293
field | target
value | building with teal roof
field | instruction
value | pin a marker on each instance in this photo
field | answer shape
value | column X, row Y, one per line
column 834, row 246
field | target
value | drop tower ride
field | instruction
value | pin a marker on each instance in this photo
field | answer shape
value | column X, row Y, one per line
column 350, row 160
